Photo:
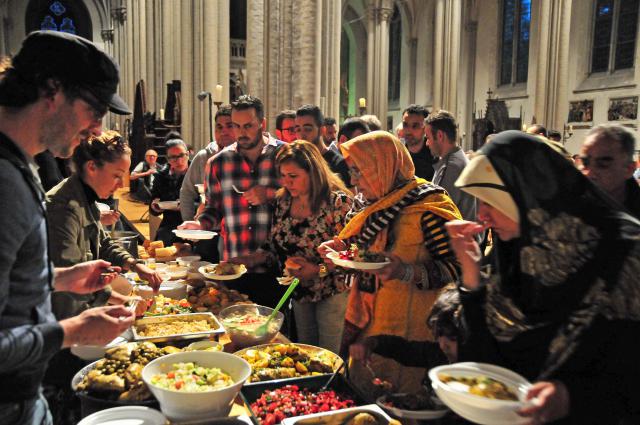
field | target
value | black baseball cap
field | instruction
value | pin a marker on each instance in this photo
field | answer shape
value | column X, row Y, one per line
column 73, row 60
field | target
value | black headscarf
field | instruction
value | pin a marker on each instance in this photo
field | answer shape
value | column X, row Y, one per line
column 577, row 257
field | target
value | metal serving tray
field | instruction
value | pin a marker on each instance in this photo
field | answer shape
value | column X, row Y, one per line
column 216, row 327
column 313, row 383
column 339, row 417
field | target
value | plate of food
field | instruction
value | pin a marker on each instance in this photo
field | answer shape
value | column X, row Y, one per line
column 357, row 258
column 194, row 234
column 223, row 271
column 412, row 406
column 176, row 327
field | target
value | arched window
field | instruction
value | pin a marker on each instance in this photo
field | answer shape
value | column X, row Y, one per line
column 69, row 16
column 395, row 50
column 615, row 26
column 514, row 54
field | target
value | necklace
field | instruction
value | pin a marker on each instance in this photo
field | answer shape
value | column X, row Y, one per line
column 299, row 208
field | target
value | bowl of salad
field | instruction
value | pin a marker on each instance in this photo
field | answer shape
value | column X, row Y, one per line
column 196, row 385
column 241, row 322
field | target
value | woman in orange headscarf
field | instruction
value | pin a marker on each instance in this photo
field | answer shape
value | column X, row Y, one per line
column 402, row 217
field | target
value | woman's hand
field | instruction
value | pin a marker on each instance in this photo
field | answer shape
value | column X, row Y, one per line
column 308, row 270
column 394, row 270
column 361, row 350
column 466, row 248
column 109, row 218
column 335, row 244
column 551, row 402
column 117, row 298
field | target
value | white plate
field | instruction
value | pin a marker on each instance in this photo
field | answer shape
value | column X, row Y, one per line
column 95, row 352
column 358, row 265
column 194, row 235
column 201, row 270
column 103, row 207
column 127, row 415
column 411, row 414
column 169, row 205
column 186, row 261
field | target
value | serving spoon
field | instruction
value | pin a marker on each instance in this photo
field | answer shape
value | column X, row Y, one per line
column 262, row 329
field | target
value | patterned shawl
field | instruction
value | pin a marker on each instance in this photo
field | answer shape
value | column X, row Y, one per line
column 577, row 256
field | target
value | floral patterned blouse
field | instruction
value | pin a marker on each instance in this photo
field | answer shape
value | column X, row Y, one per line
column 292, row 237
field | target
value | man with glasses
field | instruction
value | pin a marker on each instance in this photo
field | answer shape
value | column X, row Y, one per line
column 53, row 95
column 606, row 158
column 286, row 126
column 166, row 187
column 415, row 139
column 142, row 176
column 241, row 184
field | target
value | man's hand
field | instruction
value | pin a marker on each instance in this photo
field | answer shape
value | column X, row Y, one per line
column 85, row 278
column 151, row 276
column 257, row 195
column 190, row 225
column 361, row 350
column 155, row 207
column 96, row 326
column 109, row 218
column 552, row 402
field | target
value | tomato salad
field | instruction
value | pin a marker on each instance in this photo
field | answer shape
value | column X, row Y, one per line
column 289, row 401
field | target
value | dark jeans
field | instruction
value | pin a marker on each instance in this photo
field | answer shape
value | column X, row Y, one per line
column 28, row 412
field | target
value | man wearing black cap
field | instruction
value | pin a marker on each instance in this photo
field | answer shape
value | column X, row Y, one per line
column 53, row 94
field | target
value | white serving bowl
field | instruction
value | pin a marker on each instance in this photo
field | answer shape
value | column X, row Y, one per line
column 138, row 415
column 186, row 261
column 478, row 409
column 177, row 405
column 176, row 272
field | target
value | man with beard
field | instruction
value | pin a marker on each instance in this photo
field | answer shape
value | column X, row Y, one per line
column 241, row 183
column 46, row 104
column 414, row 136
column 441, row 132
column 286, row 126
column 309, row 121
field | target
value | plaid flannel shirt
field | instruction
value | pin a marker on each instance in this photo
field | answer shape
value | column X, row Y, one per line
column 244, row 228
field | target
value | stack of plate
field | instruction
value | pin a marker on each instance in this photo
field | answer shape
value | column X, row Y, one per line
column 476, row 408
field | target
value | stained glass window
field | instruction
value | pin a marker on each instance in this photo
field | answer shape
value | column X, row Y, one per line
column 514, row 52
column 395, row 55
column 615, row 26
column 69, row 16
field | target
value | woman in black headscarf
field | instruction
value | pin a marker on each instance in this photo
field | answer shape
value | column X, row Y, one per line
column 562, row 305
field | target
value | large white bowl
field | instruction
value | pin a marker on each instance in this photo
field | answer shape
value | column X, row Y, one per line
column 178, row 405
column 138, row 415
column 175, row 289
column 478, row 409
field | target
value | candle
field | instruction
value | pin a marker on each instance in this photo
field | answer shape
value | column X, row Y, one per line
column 363, row 102
column 524, row 127
column 161, row 114
column 571, row 128
column 218, row 94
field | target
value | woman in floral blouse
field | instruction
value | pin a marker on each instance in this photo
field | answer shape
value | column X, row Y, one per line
column 310, row 207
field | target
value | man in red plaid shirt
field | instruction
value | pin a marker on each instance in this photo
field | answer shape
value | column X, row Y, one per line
column 241, row 183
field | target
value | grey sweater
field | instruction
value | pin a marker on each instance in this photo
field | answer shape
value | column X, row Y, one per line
column 189, row 196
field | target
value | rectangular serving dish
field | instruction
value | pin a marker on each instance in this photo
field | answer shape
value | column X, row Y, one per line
column 339, row 416
column 313, row 383
column 216, row 327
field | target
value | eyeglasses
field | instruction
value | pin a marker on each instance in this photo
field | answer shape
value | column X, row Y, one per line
column 176, row 157
column 99, row 109
column 354, row 173
column 289, row 129
column 600, row 162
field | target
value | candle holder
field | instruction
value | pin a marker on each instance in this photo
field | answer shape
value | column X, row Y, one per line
column 363, row 110
column 202, row 96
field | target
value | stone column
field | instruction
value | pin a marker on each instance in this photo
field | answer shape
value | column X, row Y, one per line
column 186, row 53
column 551, row 62
column 379, row 14
column 446, row 54
column 256, row 12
